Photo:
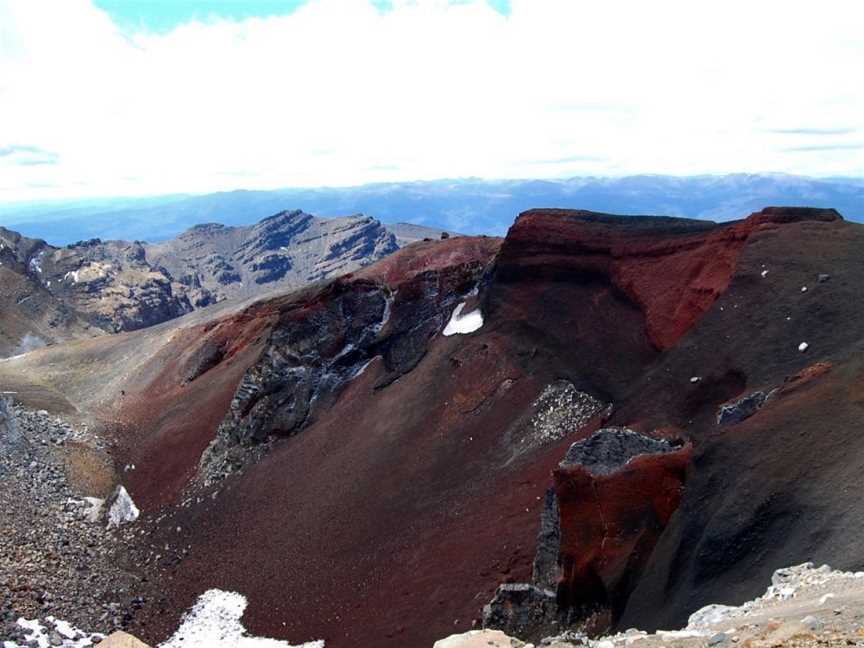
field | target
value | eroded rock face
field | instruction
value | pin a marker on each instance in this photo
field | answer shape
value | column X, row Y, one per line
column 326, row 337
column 113, row 284
column 617, row 491
column 546, row 557
column 674, row 269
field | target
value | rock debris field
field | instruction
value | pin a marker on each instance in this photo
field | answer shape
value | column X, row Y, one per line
column 57, row 558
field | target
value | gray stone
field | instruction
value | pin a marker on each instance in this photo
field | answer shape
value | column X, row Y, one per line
column 812, row 623
column 545, row 571
column 521, row 610
column 607, row 450
column 743, row 408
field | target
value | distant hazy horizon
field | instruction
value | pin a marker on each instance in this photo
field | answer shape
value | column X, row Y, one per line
column 469, row 206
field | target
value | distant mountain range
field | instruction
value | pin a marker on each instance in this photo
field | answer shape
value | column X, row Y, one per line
column 470, row 206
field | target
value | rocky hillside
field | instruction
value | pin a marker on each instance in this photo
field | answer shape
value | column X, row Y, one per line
column 597, row 423
column 52, row 294
column 288, row 250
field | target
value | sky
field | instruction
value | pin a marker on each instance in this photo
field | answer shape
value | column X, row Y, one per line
column 143, row 97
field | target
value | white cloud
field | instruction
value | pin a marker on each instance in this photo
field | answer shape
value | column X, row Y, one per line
column 340, row 93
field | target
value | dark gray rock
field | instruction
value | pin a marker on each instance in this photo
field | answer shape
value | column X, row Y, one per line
column 607, row 450
column 743, row 408
column 521, row 610
column 545, row 572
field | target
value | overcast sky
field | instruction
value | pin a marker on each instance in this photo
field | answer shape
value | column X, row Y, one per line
column 134, row 98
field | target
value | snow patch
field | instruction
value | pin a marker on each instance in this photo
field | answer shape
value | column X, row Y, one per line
column 463, row 324
column 28, row 343
column 39, row 634
column 36, row 262
column 214, row 622
column 680, row 634
column 122, row 509
column 73, row 275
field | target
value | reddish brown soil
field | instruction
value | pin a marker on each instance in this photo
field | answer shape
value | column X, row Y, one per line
column 169, row 421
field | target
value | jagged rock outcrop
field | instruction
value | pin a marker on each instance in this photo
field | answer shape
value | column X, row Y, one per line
column 31, row 316
column 617, row 491
column 614, row 494
column 322, row 339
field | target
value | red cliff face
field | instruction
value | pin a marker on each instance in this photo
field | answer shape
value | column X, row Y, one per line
column 673, row 269
column 610, row 522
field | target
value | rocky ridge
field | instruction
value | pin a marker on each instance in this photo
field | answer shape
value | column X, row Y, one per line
column 51, row 294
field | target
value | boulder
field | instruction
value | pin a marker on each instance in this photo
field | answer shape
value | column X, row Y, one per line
column 480, row 639
column 521, row 609
column 121, row 639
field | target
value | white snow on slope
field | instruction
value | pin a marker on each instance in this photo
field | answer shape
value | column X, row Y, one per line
column 463, row 324
column 214, row 622
column 122, row 509
column 40, row 633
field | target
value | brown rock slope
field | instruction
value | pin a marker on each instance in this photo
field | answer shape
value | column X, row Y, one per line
column 363, row 478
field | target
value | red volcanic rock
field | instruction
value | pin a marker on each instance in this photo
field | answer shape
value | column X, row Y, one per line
column 431, row 256
column 616, row 491
column 674, row 269
column 805, row 376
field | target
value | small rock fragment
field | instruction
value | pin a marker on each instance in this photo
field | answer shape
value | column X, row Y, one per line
column 812, row 623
